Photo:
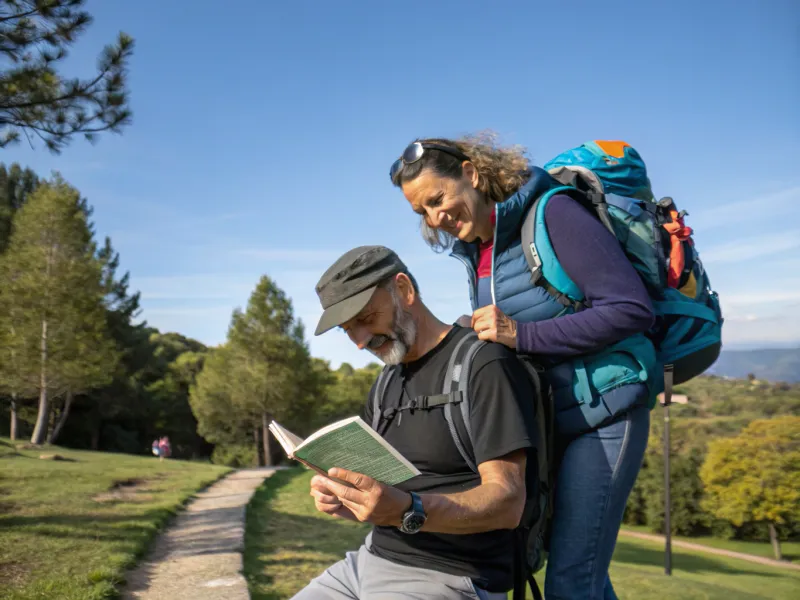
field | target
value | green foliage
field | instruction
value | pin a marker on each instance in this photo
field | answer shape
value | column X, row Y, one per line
column 146, row 391
column 34, row 98
column 755, row 476
column 686, row 490
column 213, row 401
column 263, row 372
column 16, row 184
column 346, row 393
column 235, row 455
column 52, row 317
column 718, row 409
column 268, row 352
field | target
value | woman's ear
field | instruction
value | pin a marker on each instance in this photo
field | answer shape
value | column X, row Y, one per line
column 470, row 173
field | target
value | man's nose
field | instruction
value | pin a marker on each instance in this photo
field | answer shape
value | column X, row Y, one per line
column 359, row 337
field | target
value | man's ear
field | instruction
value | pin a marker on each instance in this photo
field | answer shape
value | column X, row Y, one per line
column 470, row 173
column 405, row 289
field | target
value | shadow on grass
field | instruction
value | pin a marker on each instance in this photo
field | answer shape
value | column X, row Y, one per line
column 635, row 554
column 287, row 542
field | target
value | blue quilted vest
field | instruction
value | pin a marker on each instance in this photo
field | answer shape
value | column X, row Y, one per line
column 588, row 391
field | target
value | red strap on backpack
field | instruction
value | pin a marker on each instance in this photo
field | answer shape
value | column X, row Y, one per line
column 678, row 233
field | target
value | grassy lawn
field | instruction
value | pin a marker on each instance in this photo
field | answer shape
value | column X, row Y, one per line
column 790, row 550
column 287, row 543
column 69, row 529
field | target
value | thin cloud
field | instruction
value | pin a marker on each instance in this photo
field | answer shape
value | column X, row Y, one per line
column 288, row 254
column 745, row 211
column 761, row 296
column 754, row 247
column 194, row 287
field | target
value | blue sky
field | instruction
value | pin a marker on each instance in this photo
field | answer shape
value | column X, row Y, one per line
column 262, row 138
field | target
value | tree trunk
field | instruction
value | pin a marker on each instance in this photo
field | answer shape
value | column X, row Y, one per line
column 40, row 430
column 13, row 433
column 61, row 420
column 97, row 428
column 259, row 447
column 776, row 543
column 265, row 439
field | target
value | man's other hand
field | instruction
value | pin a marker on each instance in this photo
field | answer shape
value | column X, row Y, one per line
column 368, row 500
column 326, row 501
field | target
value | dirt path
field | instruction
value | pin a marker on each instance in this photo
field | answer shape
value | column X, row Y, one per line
column 199, row 557
column 709, row 550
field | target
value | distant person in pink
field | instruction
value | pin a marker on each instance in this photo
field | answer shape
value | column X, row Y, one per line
column 164, row 448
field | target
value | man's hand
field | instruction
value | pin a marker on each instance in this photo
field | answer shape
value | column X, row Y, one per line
column 491, row 324
column 368, row 500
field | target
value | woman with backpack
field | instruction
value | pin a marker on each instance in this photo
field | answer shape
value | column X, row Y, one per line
column 473, row 197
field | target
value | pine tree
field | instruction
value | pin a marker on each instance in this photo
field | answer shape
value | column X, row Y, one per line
column 263, row 371
column 16, row 184
column 52, row 316
column 34, row 98
column 270, row 353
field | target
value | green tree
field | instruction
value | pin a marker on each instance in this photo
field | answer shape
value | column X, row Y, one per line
column 220, row 418
column 169, row 412
column 124, row 397
column 16, row 184
column 270, row 356
column 262, row 372
column 34, row 98
column 53, row 319
column 347, row 390
column 755, row 476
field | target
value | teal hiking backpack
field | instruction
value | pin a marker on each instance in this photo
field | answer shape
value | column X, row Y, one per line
column 529, row 548
column 613, row 183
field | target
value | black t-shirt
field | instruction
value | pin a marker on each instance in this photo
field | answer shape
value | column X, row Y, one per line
column 501, row 417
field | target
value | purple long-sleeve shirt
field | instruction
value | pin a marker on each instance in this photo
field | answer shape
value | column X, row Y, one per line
column 594, row 260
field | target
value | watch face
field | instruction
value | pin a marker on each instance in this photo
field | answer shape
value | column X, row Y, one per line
column 413, row 522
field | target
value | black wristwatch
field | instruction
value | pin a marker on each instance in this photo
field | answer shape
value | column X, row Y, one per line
column 414, row 518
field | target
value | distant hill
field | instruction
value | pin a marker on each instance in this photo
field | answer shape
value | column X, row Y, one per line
column 770, row 364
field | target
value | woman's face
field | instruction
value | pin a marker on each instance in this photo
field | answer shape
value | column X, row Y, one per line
column 454, row 206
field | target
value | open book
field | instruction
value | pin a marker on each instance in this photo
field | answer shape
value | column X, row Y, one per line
column 348, row 444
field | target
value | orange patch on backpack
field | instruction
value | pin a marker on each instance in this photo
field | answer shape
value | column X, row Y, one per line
column 613, row 147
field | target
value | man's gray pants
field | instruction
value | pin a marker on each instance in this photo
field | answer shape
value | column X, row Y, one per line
column 363, row 576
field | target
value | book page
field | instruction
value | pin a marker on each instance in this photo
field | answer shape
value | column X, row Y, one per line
column 287, row 439
column 356, row 447
column 327, row 428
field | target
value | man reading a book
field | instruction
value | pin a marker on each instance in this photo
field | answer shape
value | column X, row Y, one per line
column 447, row 532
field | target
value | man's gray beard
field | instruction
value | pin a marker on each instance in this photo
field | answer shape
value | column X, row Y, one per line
column 404, row 334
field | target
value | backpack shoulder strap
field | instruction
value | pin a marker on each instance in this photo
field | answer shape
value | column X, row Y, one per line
column 456, row 381
column 545, row 269
column 377, row 396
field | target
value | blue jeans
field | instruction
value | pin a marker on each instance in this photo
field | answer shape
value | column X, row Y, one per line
column 595, row 477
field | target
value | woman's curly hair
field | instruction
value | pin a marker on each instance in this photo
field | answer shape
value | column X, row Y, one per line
column 501, row 172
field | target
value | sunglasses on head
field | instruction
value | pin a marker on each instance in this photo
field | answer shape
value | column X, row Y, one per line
column 415, row 151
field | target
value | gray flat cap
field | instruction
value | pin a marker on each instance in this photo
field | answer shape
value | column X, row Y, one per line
column 347, row 286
